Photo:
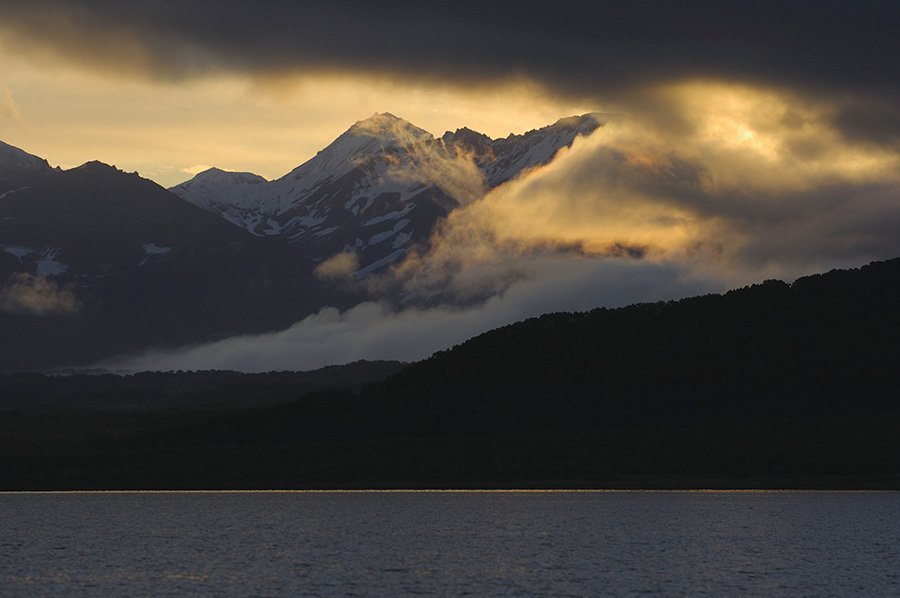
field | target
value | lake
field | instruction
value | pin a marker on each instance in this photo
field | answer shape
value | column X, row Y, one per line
column 451, row 543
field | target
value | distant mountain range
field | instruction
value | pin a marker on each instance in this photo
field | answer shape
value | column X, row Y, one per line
column 96, row 262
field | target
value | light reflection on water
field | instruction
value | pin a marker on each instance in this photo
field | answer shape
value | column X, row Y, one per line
column 451, row 543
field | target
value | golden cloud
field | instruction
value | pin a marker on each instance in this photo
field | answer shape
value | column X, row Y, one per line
column 738, row 180
column 27, row 294
column 338, row 266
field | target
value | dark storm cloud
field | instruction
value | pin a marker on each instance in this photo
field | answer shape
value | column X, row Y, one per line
column 601, row 50
column 576, row 47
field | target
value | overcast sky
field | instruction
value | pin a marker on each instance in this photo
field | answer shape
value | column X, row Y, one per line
column 166, row 87
column 745, row 140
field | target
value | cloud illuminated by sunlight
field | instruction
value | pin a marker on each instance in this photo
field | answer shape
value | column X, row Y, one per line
column 743, row 181
column 338, row 266
column 196, row 169
column 768, row 140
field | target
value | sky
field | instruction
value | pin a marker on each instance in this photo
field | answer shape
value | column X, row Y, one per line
column 745, row 140
column 166, row 88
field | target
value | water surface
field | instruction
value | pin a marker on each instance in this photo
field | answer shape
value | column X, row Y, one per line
column 454, row 543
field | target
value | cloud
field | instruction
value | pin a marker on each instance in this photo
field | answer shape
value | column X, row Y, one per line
column 28, row 294
column 225, row 62
column 576, row 48
column 703, row 187
column 195, row 169
column 425, row 160
column 339, row 266
column 374, row 330
column 9, row 110
column 744, row 182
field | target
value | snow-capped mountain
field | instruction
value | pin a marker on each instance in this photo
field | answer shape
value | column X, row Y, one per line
column 379, row 188
column 236, row 196
column 371, row 191
column 504, row 159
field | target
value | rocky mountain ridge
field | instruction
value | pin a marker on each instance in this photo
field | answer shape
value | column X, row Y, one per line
column 379, row 188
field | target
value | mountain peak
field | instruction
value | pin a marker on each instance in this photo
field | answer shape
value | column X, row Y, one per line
column 389, row 129
column 518, row 153
column 218, row 176
column 381, row 117
column 585, row 123
column 366, row 138
column 379, row 188
column 467, row 139
column 96, row 166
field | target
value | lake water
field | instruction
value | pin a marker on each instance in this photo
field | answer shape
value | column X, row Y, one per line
column 451, row 543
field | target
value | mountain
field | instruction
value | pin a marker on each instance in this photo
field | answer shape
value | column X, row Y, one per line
column 95, row 220
column 772, row 385
column 504, row 159
column 379, row 188
column 95, row 262
column 232, row 195
column 18, row 168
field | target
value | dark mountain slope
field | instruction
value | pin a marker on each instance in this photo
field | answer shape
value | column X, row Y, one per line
column 19, row 169
column 99, row 219
column 136, row 267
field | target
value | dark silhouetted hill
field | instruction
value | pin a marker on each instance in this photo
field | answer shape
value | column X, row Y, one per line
column 135, row 267
column 772, row 385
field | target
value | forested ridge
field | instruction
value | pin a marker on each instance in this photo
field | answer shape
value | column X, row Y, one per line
column 772, row 385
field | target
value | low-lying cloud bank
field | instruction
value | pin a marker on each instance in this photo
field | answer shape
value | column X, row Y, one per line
column 702, row 187
column 375, row 331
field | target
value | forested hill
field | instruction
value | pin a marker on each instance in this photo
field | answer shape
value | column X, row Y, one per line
column 828, row 343
column 201, row 390
column 772, row 385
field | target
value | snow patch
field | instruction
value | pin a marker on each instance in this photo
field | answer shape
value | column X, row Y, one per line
column 17, row 250
column 2, row 195
column 401, row 240
column 154, row 249
column 378, row 238
column 382, row 236
column 48, row 265
column 273, row 227
column 326, row 231
column 390, row 215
